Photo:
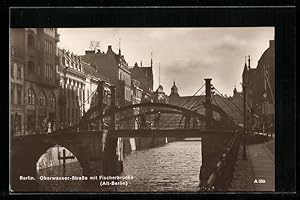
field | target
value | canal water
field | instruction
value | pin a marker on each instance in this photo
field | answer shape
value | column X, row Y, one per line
column 173, row 167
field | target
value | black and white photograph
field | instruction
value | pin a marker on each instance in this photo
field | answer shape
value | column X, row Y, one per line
column 142, row 109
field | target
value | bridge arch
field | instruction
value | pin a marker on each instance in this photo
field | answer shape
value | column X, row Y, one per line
column 29, row 149
column 109, row 111
column 52, row 154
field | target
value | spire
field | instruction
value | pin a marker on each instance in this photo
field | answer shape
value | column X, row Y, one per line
column 158, row 73
column 151, row 60
column 234, row 90
column 245, row 66
column 249, row 62
column 119, row 46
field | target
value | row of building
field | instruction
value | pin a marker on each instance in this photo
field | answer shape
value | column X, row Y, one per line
column 52, row 88
column 260, row 89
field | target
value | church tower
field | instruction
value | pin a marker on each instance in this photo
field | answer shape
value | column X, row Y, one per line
column 174, row 97
column 174, row 89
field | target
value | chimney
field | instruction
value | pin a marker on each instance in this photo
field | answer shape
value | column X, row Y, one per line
column 109, row 48
column 89, row 52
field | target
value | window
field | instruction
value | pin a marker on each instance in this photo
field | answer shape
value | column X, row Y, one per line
column 19, row 77
column 48, row 71
column 13, row 51
column 63, row 60
column 12, row 123
column 30, row 67
column 16, row 123
column 30, row 41
column 45, row 70
column 19, row 94
column 80, row 95
column 72, row 115
column 51, row 72
column 13, row 70
column 38, row 69
column 68, row 114
column 42, row 99
column 31, row 97
column 51, row 48
column 12, row 93
column 88, row 96
column 52, row 100
column 31, row 121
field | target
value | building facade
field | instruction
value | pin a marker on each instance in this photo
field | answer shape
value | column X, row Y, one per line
column 72, row 88
column 33, row 66
column 145, row 76
column 17, row 66
column 78, row 87
column 115, row 68
column 260, row 88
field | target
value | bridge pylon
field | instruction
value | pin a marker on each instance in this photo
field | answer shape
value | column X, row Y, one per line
column 111, row 164
column 208, row 103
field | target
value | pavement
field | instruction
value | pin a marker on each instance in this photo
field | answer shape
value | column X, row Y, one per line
column 257, row 173
column 263, row 165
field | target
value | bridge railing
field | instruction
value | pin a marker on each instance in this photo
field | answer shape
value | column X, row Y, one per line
column 222, row 175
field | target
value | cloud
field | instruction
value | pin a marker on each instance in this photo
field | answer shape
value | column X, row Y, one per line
column 187, row 55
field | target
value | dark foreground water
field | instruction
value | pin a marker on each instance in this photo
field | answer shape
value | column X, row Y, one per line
column 173, row 167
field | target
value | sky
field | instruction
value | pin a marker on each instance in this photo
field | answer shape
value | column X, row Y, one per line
column 185, row 55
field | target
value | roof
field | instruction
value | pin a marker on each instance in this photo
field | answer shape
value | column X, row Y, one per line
column 194, row 102
column 89, row 69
